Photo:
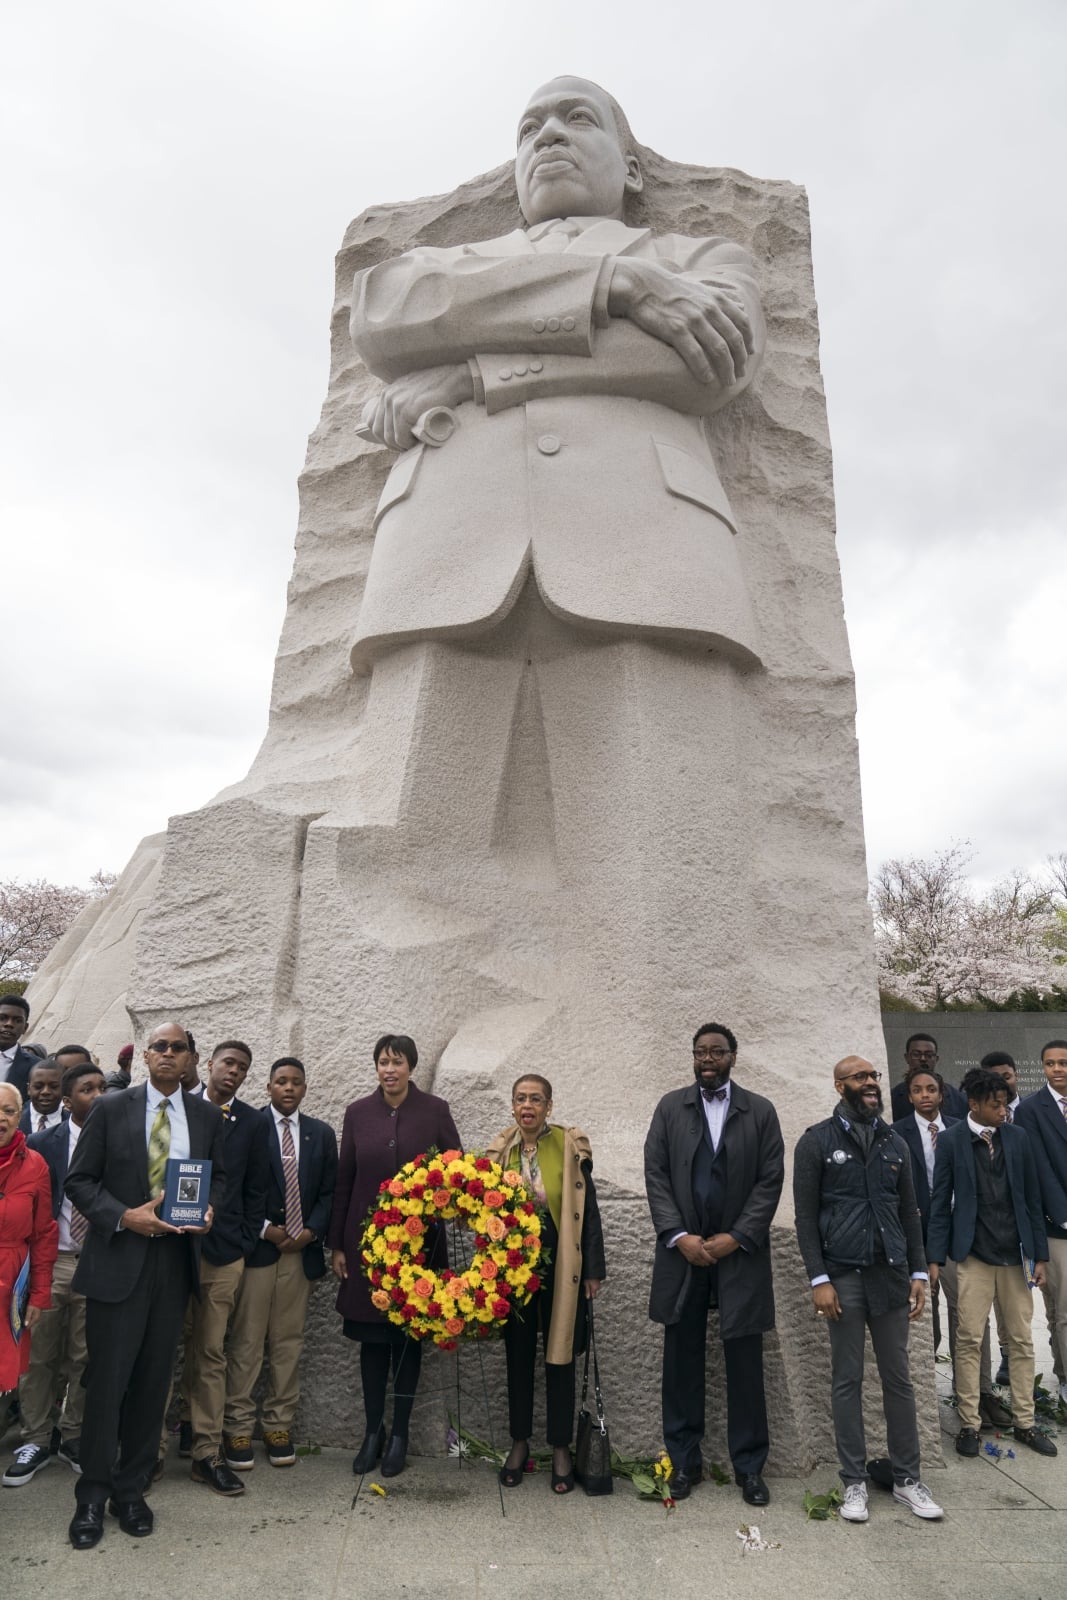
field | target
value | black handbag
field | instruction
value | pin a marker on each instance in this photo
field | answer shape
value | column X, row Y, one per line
column 592, row 1451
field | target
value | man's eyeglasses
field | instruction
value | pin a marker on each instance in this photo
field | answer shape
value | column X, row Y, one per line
column 862, row 1077
column 161, row 1047
column 719, row 1053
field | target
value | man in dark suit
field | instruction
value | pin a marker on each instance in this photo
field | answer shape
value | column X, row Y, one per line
column 920, row 1133
column 15, row 1062
column 920, row 1050
column 714, row 1168
column 136, row 1272
column 281, row 1272
column 986, row 1214
column 1044, row 1117
column 234, row 1235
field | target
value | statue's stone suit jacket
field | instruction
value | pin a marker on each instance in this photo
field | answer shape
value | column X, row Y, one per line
column 583, row 454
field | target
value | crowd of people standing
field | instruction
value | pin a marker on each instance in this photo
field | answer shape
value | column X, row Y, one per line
column 964, row 1193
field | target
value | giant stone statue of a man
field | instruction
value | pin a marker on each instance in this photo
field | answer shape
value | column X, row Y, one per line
column 561, row 759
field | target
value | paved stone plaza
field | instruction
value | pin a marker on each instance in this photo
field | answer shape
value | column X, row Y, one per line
column 445, row 1531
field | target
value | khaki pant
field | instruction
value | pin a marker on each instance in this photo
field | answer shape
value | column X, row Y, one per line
column 1055, row 1304
column 205, row 1353
column 979, row 1285
column 271, row 1309
column 57, row 1361
column 948, row 1286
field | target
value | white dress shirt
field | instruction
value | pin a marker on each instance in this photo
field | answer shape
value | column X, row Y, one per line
column 294, row 1124
column 715, row 1112
column 7, row 1059
column 65, row 1241
column 179, row 1125
column 50, row 1121
column 928, row 1144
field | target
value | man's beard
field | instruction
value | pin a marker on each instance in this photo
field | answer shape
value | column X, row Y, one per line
column 722, row 1078
column 853, row 1098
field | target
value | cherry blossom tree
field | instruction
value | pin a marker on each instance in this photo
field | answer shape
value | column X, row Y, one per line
column 35, row 916
column 942, row 942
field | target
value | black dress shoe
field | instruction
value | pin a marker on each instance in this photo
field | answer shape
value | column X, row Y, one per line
column 369, row 1451
column 215, row 1474
column 135, row 1516
column 87, row 1525
column 754, row 1491
column 395, row 1457
column 1036, row 1440
column 682, row 1485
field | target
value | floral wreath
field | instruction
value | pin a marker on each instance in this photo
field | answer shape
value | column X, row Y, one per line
column 448, row 1306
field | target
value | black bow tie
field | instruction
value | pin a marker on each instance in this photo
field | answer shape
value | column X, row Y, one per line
column 714, row 1094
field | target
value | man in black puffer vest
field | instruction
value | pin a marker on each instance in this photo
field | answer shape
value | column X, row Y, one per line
column 860, row 1235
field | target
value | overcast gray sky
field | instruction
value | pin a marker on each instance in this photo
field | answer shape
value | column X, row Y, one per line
column 180, row 178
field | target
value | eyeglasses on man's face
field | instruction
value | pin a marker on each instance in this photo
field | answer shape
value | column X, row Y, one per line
column 161, row 1047
column 863, row 1077
column 718, row 1052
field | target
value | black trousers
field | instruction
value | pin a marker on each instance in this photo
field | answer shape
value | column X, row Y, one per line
column 520, row 1347
column 684, row 1360
column 132, row 1344
column 404, row 1355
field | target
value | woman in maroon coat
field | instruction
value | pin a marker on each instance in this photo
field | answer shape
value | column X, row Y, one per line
column 381, row 1132
column 26, row 1226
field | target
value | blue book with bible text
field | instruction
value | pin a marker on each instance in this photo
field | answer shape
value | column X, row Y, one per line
column 186, row 1193
column 20, row 1299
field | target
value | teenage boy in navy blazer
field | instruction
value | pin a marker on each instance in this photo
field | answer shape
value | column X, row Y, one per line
column 57, row 1355
column 232, row 1240
column 136, row 1272
column 15, row 1062
column 1044, row 1117
column 44, row 1097
column 921, row 1133
column 985, row 1213
column 281, row 1272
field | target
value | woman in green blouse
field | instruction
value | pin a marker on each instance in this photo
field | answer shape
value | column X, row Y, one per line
column 557, row 1168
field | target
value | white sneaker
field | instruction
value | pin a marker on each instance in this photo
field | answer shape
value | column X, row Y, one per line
column 917, row 1497
column 854, row 1505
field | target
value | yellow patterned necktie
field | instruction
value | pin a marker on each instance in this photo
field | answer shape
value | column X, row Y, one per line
column 158, row 1149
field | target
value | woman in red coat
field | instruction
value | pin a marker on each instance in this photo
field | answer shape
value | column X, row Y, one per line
column 26, row 1225
column 381, row 1132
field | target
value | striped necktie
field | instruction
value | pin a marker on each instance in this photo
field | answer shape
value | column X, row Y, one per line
column 158, row 1150
column 1063, row 1108
column 294, row 1216
column 42, row 1123
column 933, row 1134
column 79, row 1227
column 987, row 1135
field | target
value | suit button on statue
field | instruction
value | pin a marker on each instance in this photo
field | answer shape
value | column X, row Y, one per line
column 538, row 324
column 548, row 444
column 552, row 324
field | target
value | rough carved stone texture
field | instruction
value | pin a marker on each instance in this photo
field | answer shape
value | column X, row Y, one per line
column 736, row 890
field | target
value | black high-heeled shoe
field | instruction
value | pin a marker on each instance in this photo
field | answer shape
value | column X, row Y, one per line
column 511, row 1477
column 563, row 1482
column 369, row 1451
column 396, row 1454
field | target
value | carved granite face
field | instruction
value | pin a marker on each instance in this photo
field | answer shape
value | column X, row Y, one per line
column 568, row 161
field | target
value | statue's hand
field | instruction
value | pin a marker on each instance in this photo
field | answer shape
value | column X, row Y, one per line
column 390, row 416
column 708, row 326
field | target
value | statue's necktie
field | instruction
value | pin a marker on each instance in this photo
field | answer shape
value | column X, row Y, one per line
column 158, row 1150
column 294, row 1216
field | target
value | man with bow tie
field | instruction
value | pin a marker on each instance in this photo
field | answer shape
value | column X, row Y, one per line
column 714, row 1168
